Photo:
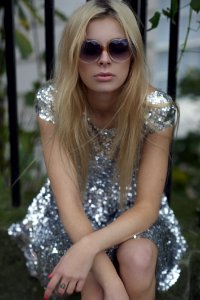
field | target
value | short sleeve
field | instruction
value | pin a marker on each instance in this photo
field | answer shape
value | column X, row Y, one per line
column 161, row 112
column 44, row 103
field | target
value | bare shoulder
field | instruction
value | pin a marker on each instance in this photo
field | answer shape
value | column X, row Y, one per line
column 151, row 89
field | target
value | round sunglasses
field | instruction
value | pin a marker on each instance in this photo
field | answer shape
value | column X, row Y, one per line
column 118, row 50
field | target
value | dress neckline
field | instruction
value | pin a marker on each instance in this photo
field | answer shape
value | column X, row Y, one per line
column 100, row 131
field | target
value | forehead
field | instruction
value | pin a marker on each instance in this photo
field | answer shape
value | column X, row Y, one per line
column 104, row 29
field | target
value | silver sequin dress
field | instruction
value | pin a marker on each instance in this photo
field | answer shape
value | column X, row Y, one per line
column 41, row 235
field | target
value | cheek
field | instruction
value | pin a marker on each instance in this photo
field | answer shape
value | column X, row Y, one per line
column 84, row 72
column 124, row 72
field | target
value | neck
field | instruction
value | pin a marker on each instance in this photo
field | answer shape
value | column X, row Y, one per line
column 102, row 108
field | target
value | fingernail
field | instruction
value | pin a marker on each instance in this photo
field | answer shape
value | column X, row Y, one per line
column 50, row 276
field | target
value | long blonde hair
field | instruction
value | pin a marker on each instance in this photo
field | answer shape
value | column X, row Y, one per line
column 70, row 97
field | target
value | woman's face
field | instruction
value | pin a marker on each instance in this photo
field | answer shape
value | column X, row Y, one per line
column 104, row 74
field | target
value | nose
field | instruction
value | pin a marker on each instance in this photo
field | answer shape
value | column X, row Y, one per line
column 104, row 58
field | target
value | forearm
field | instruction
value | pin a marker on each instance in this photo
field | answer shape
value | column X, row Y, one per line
column 76, row 223
column 108, row 278
column 130, row 223
column 104, row 270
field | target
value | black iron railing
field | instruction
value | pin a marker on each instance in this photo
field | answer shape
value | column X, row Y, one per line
column 12, row 99
column 140, row 8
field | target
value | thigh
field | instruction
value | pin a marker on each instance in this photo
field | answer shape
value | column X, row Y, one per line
column 91, row 290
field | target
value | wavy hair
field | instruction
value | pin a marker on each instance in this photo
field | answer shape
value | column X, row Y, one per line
column 70, row 97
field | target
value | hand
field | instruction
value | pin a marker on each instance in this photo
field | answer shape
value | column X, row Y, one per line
column 70, row 273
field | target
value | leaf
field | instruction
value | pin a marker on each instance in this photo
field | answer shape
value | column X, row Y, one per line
column 33, row 11
column 195, row 4
column 23, row 44
column 22, row 17
column 60, row 15
column 29, row 98
column 167, row 12
column 154, row 20
column 171, row 12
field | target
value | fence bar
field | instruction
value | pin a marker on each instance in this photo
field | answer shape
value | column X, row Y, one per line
column 134, row 4
column 173, row 54
column 172, row 74
column 12, row 100
column 49, row 38
column 143, row 20
column 140, row 9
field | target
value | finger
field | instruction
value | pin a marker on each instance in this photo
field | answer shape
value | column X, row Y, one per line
column 71, row 287
column 61, row 289
column 52, row 285
column 79, row 286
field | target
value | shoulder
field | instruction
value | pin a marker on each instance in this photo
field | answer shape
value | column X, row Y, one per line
column 44, row 102
column 156, row 96
column 160, row 111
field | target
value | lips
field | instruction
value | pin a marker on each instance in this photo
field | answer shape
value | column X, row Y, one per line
column 104, row 76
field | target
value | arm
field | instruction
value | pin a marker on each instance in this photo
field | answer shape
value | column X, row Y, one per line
column 150, row 186
column 65, row 188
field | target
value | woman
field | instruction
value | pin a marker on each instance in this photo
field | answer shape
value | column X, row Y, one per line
column 106, row 135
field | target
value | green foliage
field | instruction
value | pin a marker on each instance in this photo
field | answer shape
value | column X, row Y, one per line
column 29, row 96
column 168, row 12
column 185, row 198
column 195, row 4
column 171, row 12
column 187, row 161
column 189, row 84
column 23, row 44
column 22, row 15
column 155, row 20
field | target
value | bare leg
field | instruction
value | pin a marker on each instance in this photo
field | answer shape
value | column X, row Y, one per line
column 91, row 290
column 137, row 263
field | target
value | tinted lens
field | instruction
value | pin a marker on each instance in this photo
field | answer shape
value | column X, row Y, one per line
column 90, row 51
column 119, row 49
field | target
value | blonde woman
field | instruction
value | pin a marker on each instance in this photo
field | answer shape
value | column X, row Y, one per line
column 101, row 224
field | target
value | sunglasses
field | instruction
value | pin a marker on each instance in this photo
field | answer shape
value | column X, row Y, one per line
column 118, row 50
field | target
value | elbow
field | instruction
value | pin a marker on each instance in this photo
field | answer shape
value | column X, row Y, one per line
column 150, row 214
column 153, row 215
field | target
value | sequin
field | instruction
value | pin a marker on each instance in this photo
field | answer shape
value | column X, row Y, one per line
column 41, row 234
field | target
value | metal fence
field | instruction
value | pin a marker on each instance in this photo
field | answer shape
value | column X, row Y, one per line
column 140, row 8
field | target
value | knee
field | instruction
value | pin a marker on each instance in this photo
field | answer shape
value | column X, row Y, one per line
column 139, row 256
